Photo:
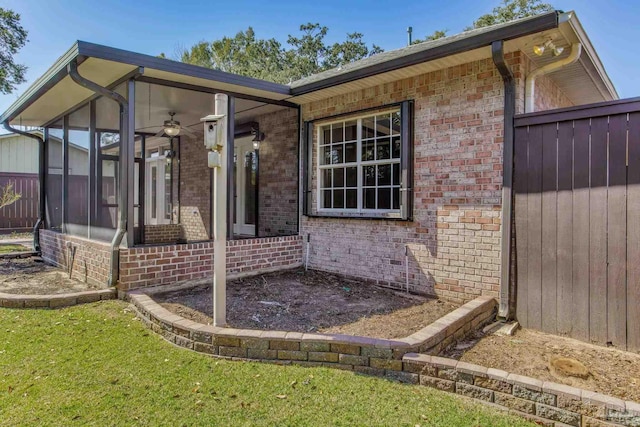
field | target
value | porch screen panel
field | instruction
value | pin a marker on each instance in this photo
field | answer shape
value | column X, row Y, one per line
column 78, row 199
column 54, row 177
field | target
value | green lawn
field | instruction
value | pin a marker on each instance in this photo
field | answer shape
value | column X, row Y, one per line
column 8, row 248
column 97, row 365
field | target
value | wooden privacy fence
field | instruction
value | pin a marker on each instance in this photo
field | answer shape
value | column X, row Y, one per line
column 23, row 214
column 577, row 222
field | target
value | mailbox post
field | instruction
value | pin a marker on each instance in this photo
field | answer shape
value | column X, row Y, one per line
column 215, row 140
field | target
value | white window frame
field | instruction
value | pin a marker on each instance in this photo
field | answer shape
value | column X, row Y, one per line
column 360, row 210
column 160, row 161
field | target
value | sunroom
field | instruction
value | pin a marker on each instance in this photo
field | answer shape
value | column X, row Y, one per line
column 140, row 214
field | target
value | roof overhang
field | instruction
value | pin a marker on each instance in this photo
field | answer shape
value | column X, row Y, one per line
column 54, row 92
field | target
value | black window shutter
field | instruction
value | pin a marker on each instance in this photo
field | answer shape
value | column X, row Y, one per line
column 307, row 145
column 406, row 161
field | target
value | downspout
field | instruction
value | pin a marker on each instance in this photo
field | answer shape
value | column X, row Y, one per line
column 41, row 179
column 121, row 229
column 497, row 52
column 530, row 85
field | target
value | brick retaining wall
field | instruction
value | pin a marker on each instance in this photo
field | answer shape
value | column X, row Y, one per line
column 169, row 264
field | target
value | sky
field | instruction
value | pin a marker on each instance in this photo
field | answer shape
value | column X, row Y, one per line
column 153, row 27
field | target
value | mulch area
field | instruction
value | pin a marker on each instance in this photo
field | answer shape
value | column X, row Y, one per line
column 311, row 301
column 32, row 276
column 528, row 352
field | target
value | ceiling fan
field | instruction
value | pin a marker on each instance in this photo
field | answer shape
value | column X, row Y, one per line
column 172, row 128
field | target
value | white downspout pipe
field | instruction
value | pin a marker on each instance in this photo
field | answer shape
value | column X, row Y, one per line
column 530, row 85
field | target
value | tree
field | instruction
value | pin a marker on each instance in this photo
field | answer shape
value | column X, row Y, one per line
column 438, row 34
column 8, row 196
column 12, row 38
column 268, row 59
column 510, row 10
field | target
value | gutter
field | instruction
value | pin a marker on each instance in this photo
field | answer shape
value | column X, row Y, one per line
column 41, row 179
column 114, row 268
column 505, row 311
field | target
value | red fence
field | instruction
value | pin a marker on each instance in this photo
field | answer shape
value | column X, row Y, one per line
column 22, row 214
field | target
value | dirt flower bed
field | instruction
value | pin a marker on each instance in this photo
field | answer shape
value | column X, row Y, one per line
column 32, row 276
column 311, row 302
column 529, row 352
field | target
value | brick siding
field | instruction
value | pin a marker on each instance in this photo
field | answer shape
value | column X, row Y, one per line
column 454, row 240
column 169, row 264
column 91, row 260
column 164, row 233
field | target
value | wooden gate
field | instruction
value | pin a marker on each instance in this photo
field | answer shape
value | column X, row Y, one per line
column 23, row 214
column 577, row 222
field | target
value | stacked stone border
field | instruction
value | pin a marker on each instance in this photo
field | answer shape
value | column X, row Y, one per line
column 368, row 355
column 56, row 300
column 543, row 402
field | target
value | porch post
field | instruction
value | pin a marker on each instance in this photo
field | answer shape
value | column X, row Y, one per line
column 220, row 192
column 231, row 179
column 127, row 156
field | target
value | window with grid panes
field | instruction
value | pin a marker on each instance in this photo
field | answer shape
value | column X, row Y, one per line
column 359, row 164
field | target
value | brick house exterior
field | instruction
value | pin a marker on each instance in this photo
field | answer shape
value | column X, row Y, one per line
column 452, row 97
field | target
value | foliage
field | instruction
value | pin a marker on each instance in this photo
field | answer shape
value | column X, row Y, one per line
column 437, row 34
column 8, row 196
column 510, row 10
column 12, row 38
column 96, row 364
column 268, row 59
column 6, row 248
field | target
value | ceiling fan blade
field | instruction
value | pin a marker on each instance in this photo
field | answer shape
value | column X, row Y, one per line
column 187, row 131
column 161, row 133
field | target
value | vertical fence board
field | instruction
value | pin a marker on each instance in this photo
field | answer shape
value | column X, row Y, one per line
column 549, row 226
column 633, row 234
column 617, row 232
column 565, row 228
column 520, row 207
column 534, row 229
column 598, row 231
column 22, row 214
column 580, row 249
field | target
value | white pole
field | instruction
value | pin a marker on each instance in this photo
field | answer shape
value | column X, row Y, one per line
column 220, row 221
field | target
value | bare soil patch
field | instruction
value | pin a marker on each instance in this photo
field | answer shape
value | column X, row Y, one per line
column 528, row 352
column 311, row 301
column 31, row 276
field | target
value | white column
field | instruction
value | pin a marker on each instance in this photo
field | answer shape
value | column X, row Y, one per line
column 220, row 220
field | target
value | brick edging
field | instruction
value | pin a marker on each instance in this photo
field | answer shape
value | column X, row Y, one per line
column 55, row 300
column 363, row 354
column 543, row 402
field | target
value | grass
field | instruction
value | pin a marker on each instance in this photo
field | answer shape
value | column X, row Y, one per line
column 98, row 365
column 8, row 248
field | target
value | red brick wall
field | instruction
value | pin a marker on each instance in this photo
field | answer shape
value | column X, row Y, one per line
column 164, row 233
column 91, row 261
column 195, row 189
column 454, row 241
column 278, row 168
column 170, row 264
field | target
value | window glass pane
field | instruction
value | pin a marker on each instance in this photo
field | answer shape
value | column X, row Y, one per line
column 326, row 182
column 167, row 192
column 326, row 194
column 383, row 151
column 337, row 152
column 351, row 130
column 154, row 191
column 368, row 150
column 338, row 177
column 395, row 148
column 383, row 125
column 369, row 198
column 384, row 198
column 338, row 199
column 368, row 127
column 326, row 155
column 350, row 154
column 326, row 135
column 337, row 130
column 369, row 176
column 352, row 177
column 384, row 175
column 352, row 199
column 396, row 198
column 395, row 122
column 54, row 178
column 396, row 174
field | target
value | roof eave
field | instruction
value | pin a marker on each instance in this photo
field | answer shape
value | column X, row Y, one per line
column 540, row 23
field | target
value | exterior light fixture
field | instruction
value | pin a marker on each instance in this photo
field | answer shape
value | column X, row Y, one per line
column 557, row 51
column 257, row 138
column 171, row 127
column 539, row 49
